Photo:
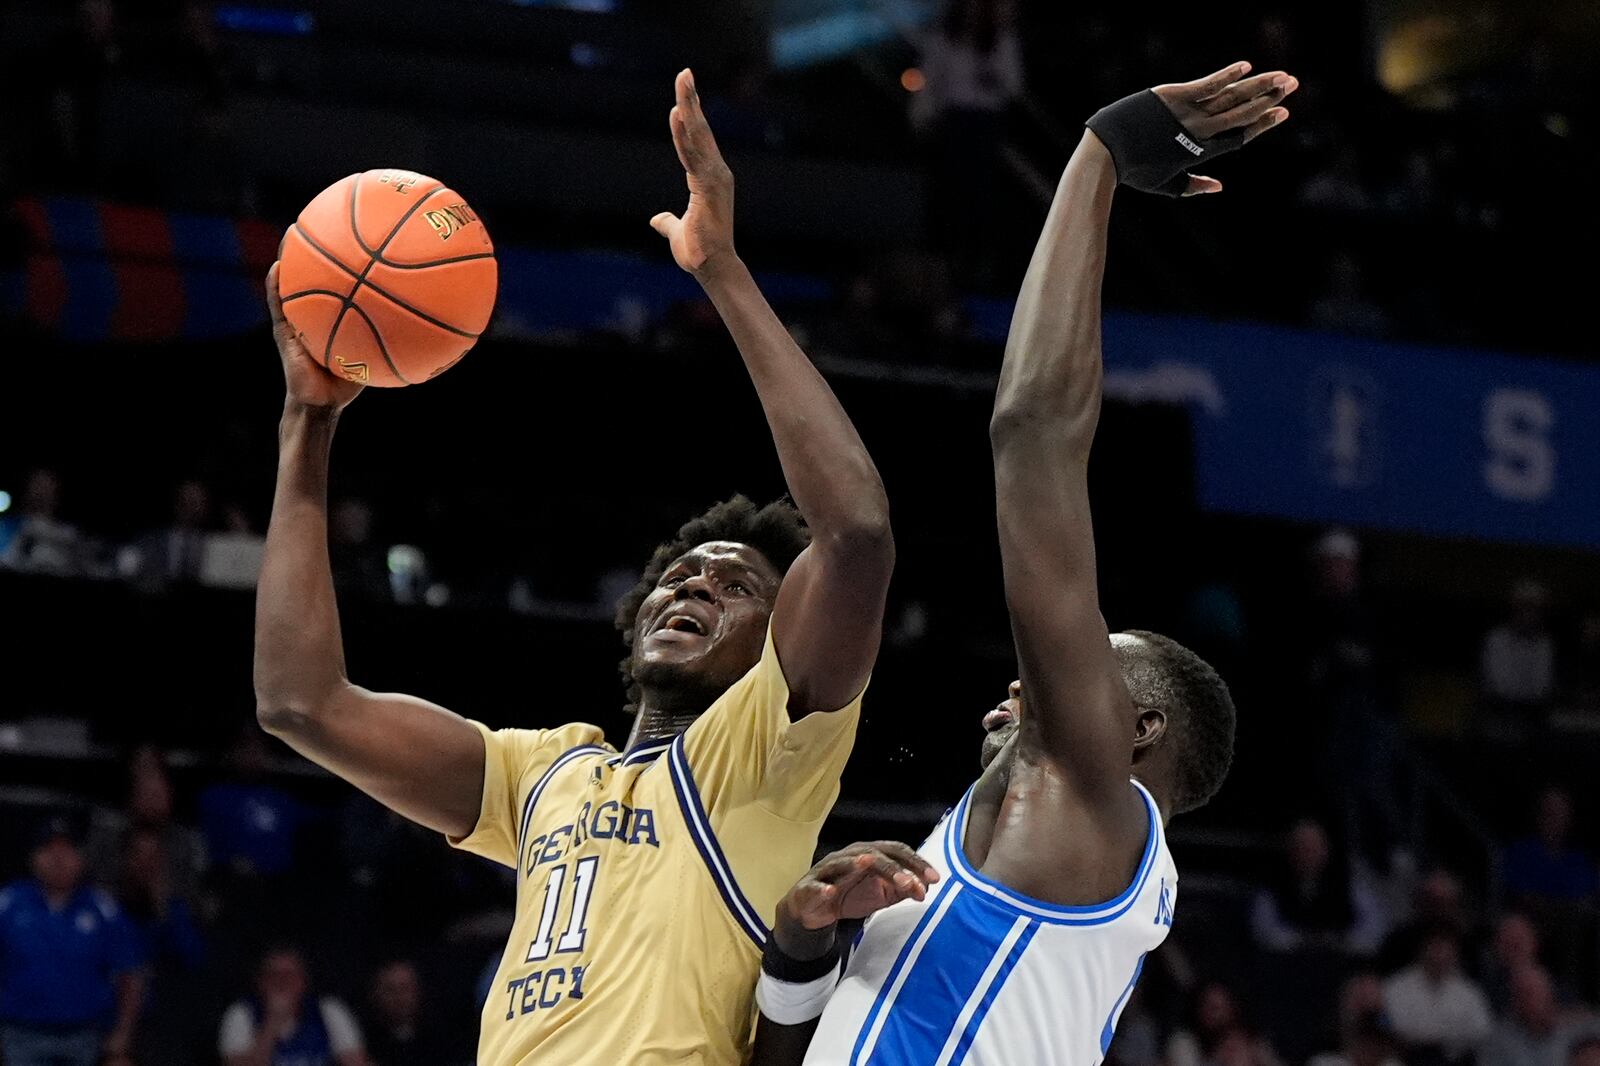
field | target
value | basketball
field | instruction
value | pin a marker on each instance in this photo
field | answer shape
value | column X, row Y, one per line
column 389, row 275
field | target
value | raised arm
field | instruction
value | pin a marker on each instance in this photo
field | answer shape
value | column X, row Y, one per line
column 829, row 616
column 1076, row 714
column 411, row 756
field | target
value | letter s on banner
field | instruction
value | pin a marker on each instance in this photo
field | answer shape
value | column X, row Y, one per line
column 1521, row 462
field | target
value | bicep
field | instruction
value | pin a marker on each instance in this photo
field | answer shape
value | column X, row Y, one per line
column 1074, row 699
column 828, row 621
column 414, row 757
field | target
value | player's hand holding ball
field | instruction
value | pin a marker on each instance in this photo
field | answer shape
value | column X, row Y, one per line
column 387, row 278
column 702, row 239
column 308, row 384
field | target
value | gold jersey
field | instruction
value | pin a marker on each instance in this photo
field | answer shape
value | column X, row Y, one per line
column 646, row 880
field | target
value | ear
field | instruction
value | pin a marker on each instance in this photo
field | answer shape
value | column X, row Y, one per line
column 1148, row 730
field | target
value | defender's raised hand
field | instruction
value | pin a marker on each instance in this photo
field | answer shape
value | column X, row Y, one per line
column 1155, row 136
column 703, row 237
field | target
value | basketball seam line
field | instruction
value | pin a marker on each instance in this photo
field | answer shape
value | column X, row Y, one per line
column 372, row 261
column 311, row 292
column 391, row 264
column 383, row 349
column 378, row 254
column 330, row 257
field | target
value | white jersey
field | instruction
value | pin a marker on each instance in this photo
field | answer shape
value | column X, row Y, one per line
column 978, row 974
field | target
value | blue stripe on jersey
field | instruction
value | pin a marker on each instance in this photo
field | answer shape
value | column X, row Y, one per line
column 925, row 1018
column 1060, row 914
column 932, row 915
column 699, row 823
column 1116, row 1008
column 970, row 1033
column 544, row 779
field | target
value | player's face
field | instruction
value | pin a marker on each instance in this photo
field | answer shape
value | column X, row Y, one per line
column 704, row 624
column 1000, row 724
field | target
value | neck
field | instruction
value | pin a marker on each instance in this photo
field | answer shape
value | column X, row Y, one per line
column 661, row 718
column 1160, row 791
column 56, row 898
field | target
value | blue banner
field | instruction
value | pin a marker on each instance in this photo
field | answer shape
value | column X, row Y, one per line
column 1330, row 429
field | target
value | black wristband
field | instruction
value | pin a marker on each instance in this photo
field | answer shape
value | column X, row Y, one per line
column 790, row 970
column 1149, row 146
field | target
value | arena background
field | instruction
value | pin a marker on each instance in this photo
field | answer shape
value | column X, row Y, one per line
column 1351, row 454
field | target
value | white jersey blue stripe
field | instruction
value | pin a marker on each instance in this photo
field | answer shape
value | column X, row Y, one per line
column 978, row 974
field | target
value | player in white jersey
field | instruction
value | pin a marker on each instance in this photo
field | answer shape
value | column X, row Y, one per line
column 1017, row 934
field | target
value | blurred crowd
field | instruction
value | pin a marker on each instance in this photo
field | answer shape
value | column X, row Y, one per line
column 248, row 920
column 1396, row 215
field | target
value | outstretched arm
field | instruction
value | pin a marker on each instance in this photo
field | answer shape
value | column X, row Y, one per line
column 414, row 757
column 829, row 616
column 1076, row 713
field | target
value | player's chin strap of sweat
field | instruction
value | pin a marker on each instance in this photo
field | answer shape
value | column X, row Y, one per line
column 1151, row 149
column 794, row 991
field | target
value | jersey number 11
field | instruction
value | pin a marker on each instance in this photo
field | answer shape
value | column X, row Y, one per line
column 583, row 874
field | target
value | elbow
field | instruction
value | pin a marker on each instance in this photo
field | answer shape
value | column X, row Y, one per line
column 281, row 718
column 285, row 716
column 863, row 536
column 1014, row 421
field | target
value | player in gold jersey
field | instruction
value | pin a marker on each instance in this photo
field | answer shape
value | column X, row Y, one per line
column 646, row 876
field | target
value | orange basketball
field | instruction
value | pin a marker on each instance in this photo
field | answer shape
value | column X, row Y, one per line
column 389, row 275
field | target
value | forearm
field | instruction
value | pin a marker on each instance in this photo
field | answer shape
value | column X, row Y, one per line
column 1050, row 379
column 829, row 474
column 299, row 658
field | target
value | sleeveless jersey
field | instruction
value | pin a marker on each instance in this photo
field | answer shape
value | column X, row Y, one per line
column 981, row 975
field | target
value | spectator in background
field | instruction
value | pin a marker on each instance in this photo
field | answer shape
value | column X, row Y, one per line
column 173, row 554
column 169, row 938
column 1547, row 868
column 1356, row 738
column 360, row 566
column 1514, row 947
column 75, row 70
column 70, row 967
column 1438, row 1013
column 398, row 1033
column 1365, row 1035
column 1555, row 881
column 1315, row 902
column 160, row 917
column 1215, row 1031
column 250, row 826
column 1436, row 904
column 972, row 71
column 35, row 539
column 1518, row 661
column 1586, row 665
column 1535, row 1031
column 284, row 1024
column 149, row 809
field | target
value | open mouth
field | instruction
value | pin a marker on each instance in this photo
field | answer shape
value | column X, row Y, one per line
column 998, row 718
column 682, row 622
